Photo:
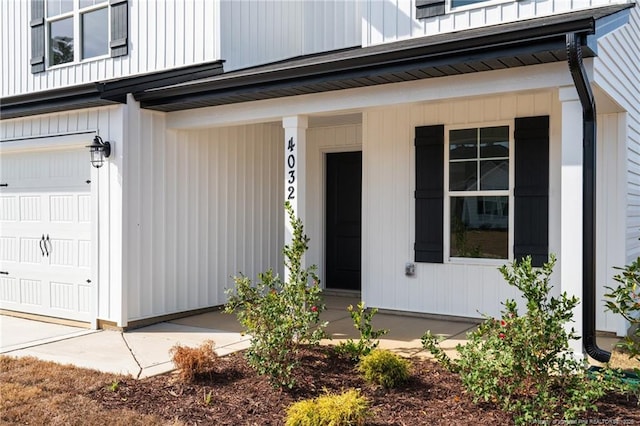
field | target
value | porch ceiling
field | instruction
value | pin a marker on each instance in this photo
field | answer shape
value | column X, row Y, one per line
column 529, row 42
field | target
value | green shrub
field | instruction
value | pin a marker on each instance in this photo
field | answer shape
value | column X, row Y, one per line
column 367, row 342
column 280, row 316
column 523, row 362
column 194, row 362
column 384, row 368
column 347, row 408
column 625, row 300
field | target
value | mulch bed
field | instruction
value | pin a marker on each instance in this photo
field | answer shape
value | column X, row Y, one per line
column 433, row 396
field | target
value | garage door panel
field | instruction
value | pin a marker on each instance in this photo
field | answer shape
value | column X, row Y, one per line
column 9, row 249
column 84, row 254
column 31, row 250
column 9, row 289
column 9, row 210
column 30, row 208
column 84, row 208
column 45, row 234
column 31, row 292
column 45, row 169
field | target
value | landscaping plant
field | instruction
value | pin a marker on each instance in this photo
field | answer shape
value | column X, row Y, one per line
column 368, row 340
column 194, row 362
column 384, row 368
column 280, row 316
column 625, row 300
column 522, row 361
column 347, row 408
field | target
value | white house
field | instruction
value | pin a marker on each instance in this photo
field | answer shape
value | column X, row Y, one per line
column 423, row 142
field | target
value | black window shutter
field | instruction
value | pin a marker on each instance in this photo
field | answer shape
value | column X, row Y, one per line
column 531, row 190
column 37, row 36
column 429, row 8
column 119, row 28
column 429, row 193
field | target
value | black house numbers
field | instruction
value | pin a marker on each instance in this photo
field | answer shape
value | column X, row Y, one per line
column 291, row 169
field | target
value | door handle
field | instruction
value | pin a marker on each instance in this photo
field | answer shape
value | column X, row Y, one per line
column 50, row 246
column 41, row 244
column 45, row 245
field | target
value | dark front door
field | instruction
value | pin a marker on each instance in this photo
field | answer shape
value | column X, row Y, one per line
column 344, row 220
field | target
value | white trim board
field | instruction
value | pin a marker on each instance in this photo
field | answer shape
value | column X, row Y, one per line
column 47, row 142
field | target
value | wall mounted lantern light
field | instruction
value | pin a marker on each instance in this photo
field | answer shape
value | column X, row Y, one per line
column 99, row 151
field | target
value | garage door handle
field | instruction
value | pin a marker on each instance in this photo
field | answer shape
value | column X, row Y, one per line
column 50, row 249
column 4, row 273
column 41, row 244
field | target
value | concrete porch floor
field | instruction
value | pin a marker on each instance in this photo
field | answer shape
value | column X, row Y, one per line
column 145, row 351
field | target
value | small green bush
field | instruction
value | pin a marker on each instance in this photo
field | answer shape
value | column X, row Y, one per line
column 522, row 361
column 368, row 341
column 384, row 368
column 625, row 300
column 280, row 316
column 347, row 408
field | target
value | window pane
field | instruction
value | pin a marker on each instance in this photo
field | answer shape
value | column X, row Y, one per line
column 479, row 227
column 58, row 7
column 494, row 142
column 95, row 33
column 494, row 174
column 463, row 176
column 458, row 3
column 87, row 3
column 463, row 144
column 61, row 41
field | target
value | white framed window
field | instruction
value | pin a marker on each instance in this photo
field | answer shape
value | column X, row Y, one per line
column 76, row 30
column 457, row 5
column 478, row 204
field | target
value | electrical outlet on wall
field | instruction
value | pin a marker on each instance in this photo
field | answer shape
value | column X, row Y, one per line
column 410, row 269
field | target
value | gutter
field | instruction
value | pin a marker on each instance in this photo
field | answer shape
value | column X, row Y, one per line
column 580, row 80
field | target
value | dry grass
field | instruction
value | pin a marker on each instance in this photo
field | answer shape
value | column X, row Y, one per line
column 621, row 359
column 194, row 362
column 38, row 393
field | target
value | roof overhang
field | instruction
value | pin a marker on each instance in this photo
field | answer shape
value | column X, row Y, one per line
column 102, row 93
column 68, row 98
column 528, row 42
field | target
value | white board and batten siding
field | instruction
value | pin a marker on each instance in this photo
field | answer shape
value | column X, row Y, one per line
column 468, row 289
column 201, row 206
column 255, row 32
column 174, row 33
column 392, row 20
column 162, row 35
column 49, row 161
column 617, row 72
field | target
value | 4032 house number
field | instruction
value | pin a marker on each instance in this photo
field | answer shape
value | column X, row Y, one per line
column 291, row 169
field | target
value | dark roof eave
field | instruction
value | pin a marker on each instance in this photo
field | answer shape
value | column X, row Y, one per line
column 101, row 93
column 538, row 35
column 118, row 89
column 314, row 82
column 68, row 98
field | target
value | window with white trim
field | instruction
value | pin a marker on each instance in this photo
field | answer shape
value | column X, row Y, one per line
column 76, row 30
column 462, row 3
column 477, row 196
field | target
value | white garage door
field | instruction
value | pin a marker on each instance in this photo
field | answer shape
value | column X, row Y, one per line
column 45, row 234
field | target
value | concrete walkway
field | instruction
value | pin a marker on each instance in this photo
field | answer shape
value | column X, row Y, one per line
column 145, row 352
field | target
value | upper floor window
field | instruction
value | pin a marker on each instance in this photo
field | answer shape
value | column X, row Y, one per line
column 70, row 31
column 77, row 30
column 461, row 3
column 430, row 8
